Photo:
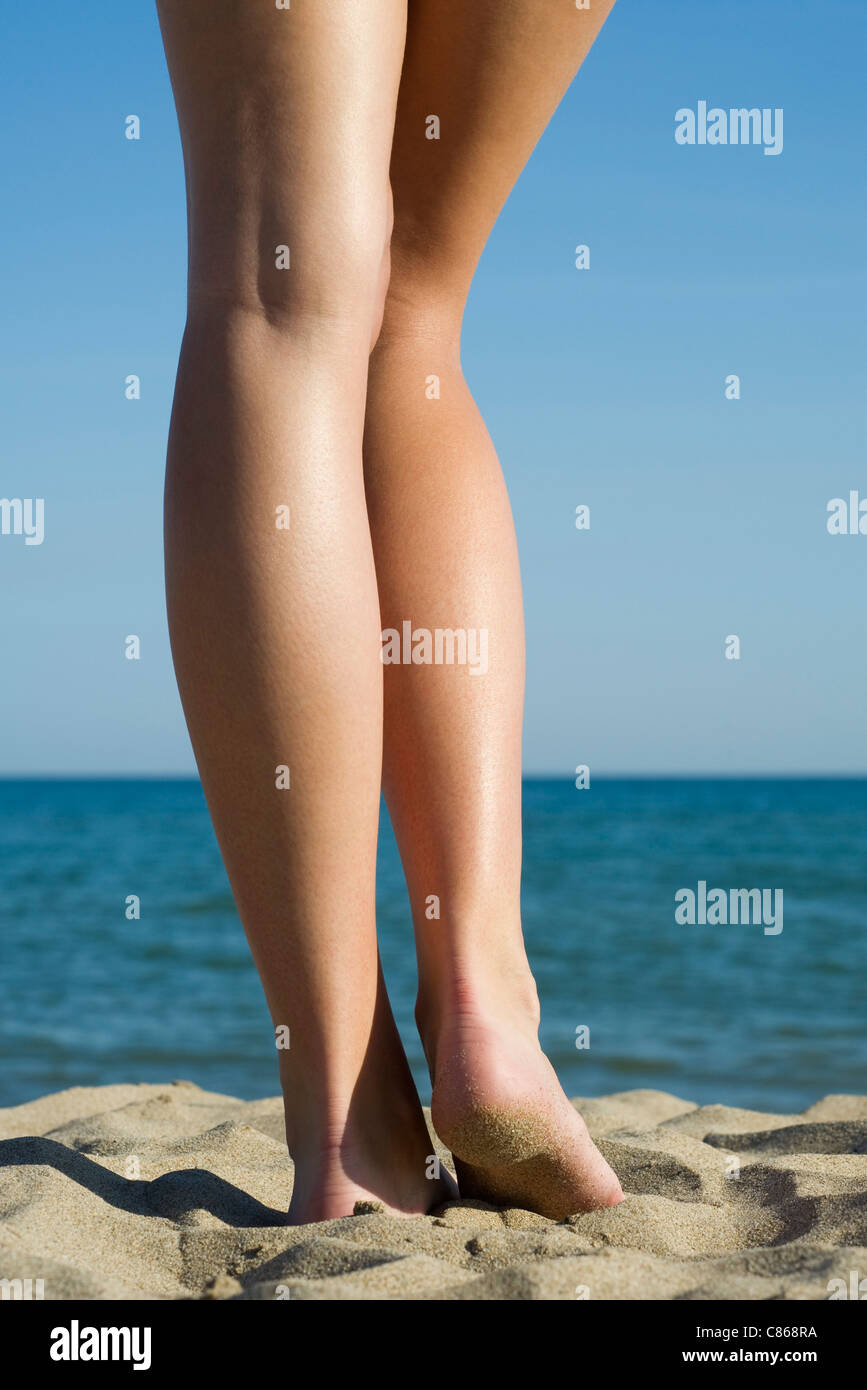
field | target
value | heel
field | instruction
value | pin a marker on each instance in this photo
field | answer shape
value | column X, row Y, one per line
column 484, row 1135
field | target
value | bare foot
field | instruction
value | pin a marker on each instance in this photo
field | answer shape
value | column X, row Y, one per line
column 329, row 1183
column 516, row 1139
column 373, row 1147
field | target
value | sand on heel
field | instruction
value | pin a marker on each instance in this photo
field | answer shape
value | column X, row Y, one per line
column 486, row 1134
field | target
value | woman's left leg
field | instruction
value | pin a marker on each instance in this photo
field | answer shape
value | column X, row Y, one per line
column 286, row 119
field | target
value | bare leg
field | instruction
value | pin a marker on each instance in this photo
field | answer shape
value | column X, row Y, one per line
column 286, row 119
column 493, row 72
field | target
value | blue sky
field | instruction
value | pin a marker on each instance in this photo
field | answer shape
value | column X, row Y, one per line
column 603, row 387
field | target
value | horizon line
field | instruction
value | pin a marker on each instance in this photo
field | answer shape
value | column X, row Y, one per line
column 526, row 776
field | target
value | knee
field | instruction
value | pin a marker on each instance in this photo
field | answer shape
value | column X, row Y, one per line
column 425, row 296
column 383, row 278
column 326, row 275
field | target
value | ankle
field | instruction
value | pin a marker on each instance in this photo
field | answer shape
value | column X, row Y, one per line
column 502, row 996
column 329, row 1110
column 362, row 1160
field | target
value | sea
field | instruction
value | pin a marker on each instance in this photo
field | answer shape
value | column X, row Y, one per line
column 768, row 1014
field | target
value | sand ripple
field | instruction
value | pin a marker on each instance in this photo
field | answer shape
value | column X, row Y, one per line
column 169, row 1192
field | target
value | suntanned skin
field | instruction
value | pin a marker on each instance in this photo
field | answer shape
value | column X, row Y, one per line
column 493, row 72
column 290, row 122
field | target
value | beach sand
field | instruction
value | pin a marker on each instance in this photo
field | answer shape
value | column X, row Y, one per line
column 171, row 1192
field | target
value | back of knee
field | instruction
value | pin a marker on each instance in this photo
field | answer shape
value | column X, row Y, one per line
column 425, row 296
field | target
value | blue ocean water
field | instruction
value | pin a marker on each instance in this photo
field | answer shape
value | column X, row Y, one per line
column 713, row 1013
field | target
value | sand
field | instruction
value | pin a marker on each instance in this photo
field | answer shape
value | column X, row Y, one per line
column 171, row 1192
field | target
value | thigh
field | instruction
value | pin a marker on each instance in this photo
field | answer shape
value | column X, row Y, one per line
column 493, row 72
column 286, row 119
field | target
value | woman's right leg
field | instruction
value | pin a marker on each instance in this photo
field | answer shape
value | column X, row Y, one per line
column 492, row 72
column 286, row 119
